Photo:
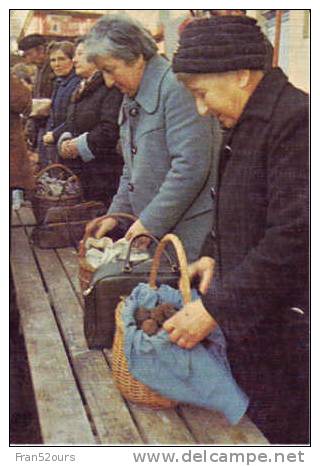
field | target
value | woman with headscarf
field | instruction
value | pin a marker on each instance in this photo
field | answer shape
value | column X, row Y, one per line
column 166, row 145
column 257, row 252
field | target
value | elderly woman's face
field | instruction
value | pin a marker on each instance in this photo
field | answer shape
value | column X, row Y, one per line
column 125, row 76
column 217, row 94
column 82, row 66
column 60, row 63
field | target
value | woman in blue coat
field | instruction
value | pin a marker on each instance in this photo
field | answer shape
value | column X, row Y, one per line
column 61, row 62
column 167, row 147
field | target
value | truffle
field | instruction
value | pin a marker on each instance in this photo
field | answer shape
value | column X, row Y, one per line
column 158, row 315
column 168, row 310
column 141, row 315
column 150, row 327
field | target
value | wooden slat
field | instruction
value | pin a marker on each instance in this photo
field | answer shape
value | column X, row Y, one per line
column 26, row 216
column 109, row 413
column 62, row 416
column 159, row 426
column 15, row 220
column 69, row 258
column 246, row 432
column 210, row 427
column 207, row 427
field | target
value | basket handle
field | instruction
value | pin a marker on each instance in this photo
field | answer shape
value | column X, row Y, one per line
column 184, row 283
column 88, row 233
column 56, row 165
column 128, row 267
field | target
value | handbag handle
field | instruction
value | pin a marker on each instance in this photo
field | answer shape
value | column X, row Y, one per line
column 184, row 284
column 88, row 233
column 128, row 267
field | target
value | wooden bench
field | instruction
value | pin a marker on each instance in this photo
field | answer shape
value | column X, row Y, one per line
column 77, row 400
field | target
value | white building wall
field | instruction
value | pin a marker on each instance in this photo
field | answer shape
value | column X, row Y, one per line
column 298, row 51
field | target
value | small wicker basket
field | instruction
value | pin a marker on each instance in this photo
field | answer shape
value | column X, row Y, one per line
column 85, row 269
column 130, row 388
column 41, row 203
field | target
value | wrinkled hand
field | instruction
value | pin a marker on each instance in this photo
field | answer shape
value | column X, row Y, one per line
column 48, row 138
column 204, row 269
column 99, row 228
column 137, row 229
column 190, row 325
column 69, row 150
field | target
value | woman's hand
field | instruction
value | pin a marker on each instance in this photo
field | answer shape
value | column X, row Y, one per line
column 99, row 228
column 204, row 269
column 137, row 229
column 190, row 325
column 69, row 149
column 48, row 138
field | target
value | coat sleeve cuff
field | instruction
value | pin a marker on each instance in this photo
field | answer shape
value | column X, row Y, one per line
column 83, row 148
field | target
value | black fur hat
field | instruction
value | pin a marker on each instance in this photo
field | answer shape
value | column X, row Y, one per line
column 220, row 44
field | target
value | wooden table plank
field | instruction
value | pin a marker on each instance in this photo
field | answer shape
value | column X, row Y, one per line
column 15, row 220
column 109, row 413
column 163, row 426
column 93, row 374
column 26, row 216
column 62, row 416
column 211, row 427
column 69, row 258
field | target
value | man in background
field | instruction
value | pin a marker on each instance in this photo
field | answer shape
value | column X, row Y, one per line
column 34, row 51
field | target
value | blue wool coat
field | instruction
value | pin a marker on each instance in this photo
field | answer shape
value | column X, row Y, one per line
column 167, row 149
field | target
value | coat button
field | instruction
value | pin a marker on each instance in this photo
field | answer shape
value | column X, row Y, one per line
column 130, row 187
column 134, row 150
column 133, row 112
column 213, row 192
column 227, row 150
column 213, row 234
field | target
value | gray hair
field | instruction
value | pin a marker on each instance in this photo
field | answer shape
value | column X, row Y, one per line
column 121, row 37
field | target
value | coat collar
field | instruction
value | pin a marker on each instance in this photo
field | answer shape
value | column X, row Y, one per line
column 148, row 95
column 63, row 81
column 264, row 99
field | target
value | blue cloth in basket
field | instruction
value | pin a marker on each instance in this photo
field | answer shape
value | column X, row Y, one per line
column 200, row 376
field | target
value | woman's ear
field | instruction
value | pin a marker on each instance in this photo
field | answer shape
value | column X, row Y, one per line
column 140, row 62
column 243, row 78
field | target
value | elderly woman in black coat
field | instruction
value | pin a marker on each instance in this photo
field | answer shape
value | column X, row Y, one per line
column 88, row 145
column 255, row 283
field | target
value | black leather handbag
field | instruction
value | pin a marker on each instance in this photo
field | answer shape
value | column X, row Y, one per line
column 109, row 283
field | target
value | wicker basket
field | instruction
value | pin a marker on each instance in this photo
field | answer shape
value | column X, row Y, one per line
column 41, row 203
column 132, row 389
column 85, row 269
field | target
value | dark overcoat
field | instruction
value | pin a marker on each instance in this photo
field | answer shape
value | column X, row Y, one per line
column 93, row 114
column 60, row 100
column 62, row 92
column 260, row 241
